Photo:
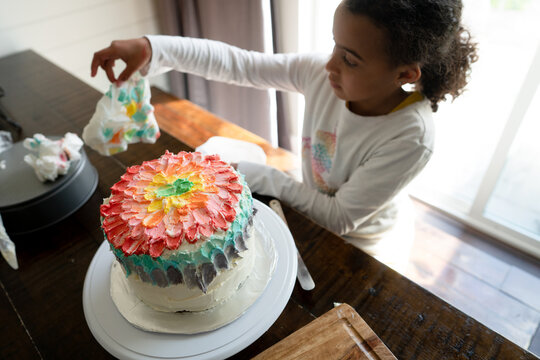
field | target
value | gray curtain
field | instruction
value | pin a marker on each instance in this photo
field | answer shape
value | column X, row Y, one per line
column 236, row 22
column 285, row 39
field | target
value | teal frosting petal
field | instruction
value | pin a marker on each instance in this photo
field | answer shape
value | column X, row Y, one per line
column 139, row 116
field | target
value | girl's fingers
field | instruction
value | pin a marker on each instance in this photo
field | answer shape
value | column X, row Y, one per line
column 108, row 67
column 101, row 58
column 94, row 66
column 128, row 71
column 133, row 52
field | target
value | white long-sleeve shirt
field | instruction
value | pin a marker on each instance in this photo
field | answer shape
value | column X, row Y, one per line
column 353, row 166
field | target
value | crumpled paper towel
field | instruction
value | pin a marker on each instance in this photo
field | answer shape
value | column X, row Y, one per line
column 123, row 116
column 53, row 156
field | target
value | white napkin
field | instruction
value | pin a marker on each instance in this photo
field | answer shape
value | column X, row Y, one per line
column 232, row 150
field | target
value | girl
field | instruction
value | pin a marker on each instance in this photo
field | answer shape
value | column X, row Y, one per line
column 364, row 137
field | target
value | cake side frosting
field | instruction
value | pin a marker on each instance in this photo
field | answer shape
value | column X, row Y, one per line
column 179, row 297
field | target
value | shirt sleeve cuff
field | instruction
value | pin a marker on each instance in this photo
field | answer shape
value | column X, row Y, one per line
column 154, row 67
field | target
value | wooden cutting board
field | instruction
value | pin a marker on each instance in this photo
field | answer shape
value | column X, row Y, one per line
column 339, row 334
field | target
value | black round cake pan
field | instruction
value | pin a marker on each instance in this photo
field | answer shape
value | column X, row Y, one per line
column 28, row 205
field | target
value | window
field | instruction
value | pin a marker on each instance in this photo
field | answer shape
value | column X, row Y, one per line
column 484, row 170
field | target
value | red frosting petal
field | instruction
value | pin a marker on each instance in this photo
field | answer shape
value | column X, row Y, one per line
column 157, row 248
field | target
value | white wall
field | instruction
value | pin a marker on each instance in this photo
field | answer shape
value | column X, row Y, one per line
column 68, row 32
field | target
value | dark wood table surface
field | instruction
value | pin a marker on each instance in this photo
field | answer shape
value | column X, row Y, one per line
column 41, row 312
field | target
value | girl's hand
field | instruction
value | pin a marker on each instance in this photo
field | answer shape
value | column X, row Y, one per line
column 136, row 53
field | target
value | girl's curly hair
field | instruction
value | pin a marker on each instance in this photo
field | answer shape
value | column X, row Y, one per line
column 427, row 32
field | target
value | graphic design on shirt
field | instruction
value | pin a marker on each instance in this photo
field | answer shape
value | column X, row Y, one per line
column 320, row 153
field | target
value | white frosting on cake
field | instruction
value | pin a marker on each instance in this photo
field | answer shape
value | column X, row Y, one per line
column 180, row 297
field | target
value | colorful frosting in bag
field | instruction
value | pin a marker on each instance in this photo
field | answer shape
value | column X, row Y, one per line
column 123, row 116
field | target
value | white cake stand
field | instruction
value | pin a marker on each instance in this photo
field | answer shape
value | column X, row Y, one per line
column 125, row 341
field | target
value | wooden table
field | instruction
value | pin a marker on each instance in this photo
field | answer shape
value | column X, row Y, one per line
column 41, row 304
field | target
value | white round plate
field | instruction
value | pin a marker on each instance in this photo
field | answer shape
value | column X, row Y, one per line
column 125, row 341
